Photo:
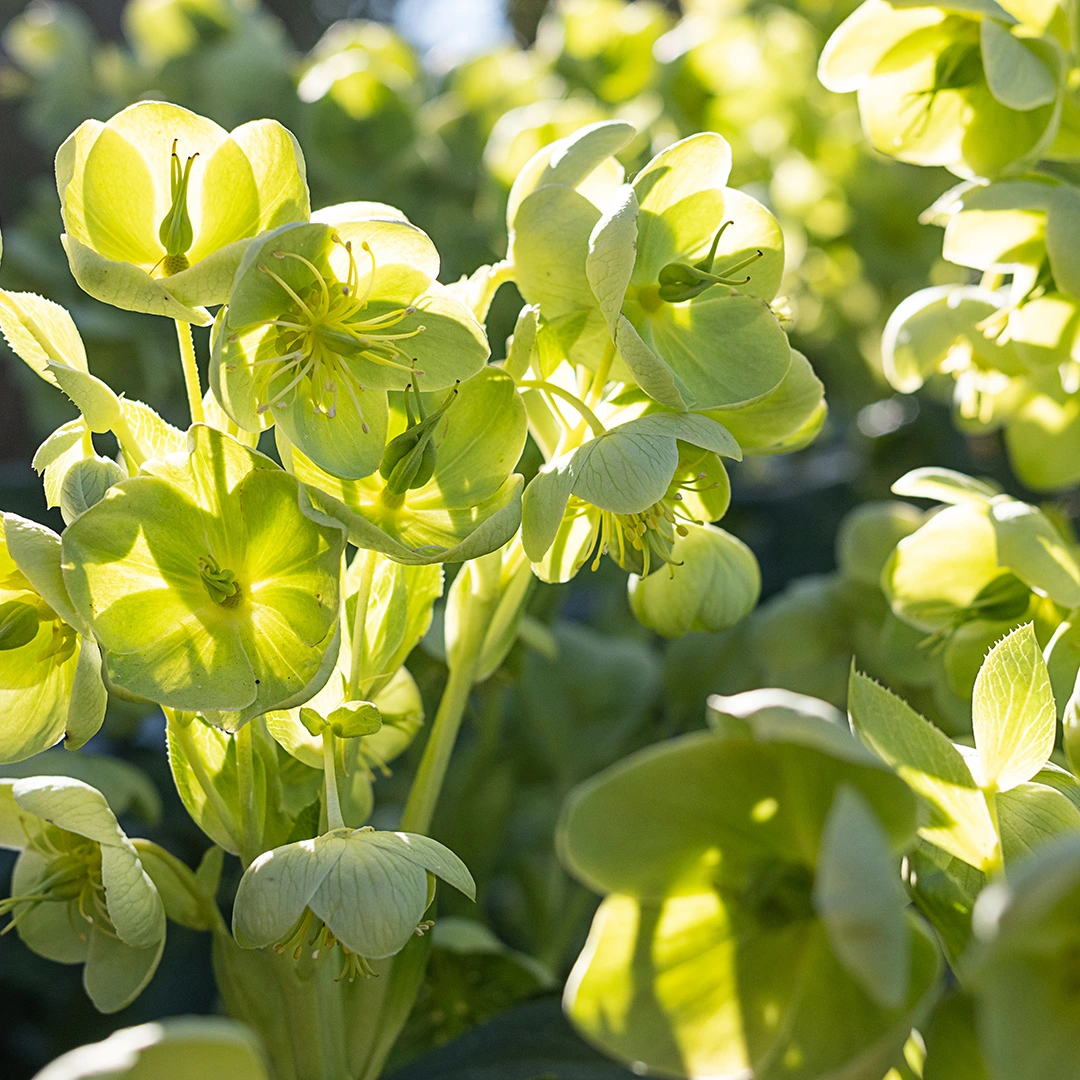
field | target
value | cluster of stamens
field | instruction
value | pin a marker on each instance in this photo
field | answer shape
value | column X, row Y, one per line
column 72, row 876
column 322, row 332
column 312, row 939
column 638, row 541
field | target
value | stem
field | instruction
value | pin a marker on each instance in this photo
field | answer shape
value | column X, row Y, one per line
column 191, row 372
column 478, row 605
column 182, row 734
column 334, row 820
column 603, row 370
column 359, row 627
column 997, row 864
column 133, row 453
column 186, row 877
column 245, row 777
column 583, row 410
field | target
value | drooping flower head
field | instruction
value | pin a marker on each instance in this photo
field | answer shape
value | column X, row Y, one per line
column 80, row 893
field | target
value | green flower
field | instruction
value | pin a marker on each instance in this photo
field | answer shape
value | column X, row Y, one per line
column 50, row 667
column 362, row 890
column 628, row 493
column 159, row 204
column 754, row 904
column 970, row 87
column 210, row 584
column 712, row 583
column 468, row 506
column 676, row 270
column 80, row 893
column 323, row 320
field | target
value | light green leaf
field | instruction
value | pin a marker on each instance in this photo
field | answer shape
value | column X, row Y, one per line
column 1030, row 814
column 86, row 483
column 65, row 446
column 958, row 820
column 1012, row 712
column 859, row 898
column 41, row 333
column 94, row 399
column 353, row 719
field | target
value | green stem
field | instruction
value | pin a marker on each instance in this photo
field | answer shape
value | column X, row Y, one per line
column 133, row 453
column 997, row 860
column 182, row 734
column 191, row 372
column 359, row 627
column 250, row 833
column 186, row 877
column 334, row 820
column 583, row 410
column 478, row 605
column 603, row 370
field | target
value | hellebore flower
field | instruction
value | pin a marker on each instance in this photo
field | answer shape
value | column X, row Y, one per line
column 323, row 320
column 50, row 667
column 363, row 890
column 468, row 505
column 753, row 900
column 209, row 582
column 676, row 270
column 159, row 204
column 80, row 893
column 972, row 88
column 627, row 493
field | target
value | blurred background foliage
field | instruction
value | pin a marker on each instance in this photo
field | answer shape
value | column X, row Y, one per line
column 434, row 105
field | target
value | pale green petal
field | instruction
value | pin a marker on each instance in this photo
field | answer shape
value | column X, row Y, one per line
column 544, row 504
column 945, row 485
column 116, row 974
column 70, row 804
column 135, row 908
column 707, row 341
column 48, row 929
column 610, row 261
column 36, row 551
column 279, row 884
column 648, row 370
column 1030, row 546
column 1016, row 76
column 12, row 833
column 89, row 698
column 430, row 854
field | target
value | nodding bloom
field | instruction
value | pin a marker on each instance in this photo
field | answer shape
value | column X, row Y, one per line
column 323, row 321
column 627, row 493
column 160, row 203
column 357, row 890
column 80, row 893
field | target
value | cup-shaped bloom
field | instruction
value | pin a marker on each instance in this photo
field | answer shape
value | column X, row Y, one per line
column 80, row 894
column 159, row 204
column 323, row 320
column 741, row 868
column 676, row 270
column 364, row 890
column 50, row 672
column 626, row 493
column 471, row 502
column 712, row 583
column 209, row 582
column 974, row 88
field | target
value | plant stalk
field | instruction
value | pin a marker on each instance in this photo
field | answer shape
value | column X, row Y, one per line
column 191, row 372
column 334, row 820
column 250, row 831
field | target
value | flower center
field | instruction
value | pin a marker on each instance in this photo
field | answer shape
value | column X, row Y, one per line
column 680, row 281
column 221, row 584
column 72, row 876
column 322, row 330
column 637, row 542
column 175, row 232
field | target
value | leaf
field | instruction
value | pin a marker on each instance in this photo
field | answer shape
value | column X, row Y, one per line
column 1030, row 814
column 97, row 401
column 952, row 1041
column 859, row 898
column 1013, row 712
column 353, row 719
column 41, row 332
column 57, row 454
column 1062, row 222
column 958, row 820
